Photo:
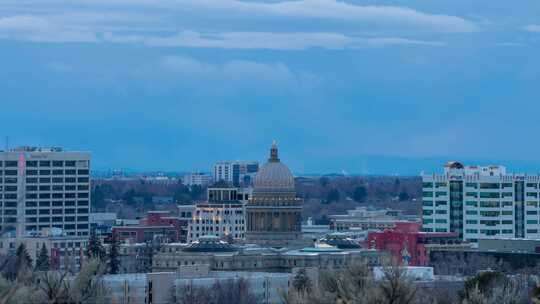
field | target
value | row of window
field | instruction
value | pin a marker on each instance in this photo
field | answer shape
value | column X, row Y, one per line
column 55, row 203
column 211, row 228
column 490, row 231
column 65, row 226
column 56, row 219
column 58, row 172
column 477, row 185
column 437, row 221
column 57, row 180
column 57, row 187
column 47, row 211
column 489, row 222
column 48, row 195
column 54, row 211
column 435, row 230
column 9, row 163
column 54, row 163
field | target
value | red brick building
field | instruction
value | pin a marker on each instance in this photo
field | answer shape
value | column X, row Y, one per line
column 408, row 244
column 159, row 223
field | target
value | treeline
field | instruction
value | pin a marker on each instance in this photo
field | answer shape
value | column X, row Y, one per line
column 357, row 285
column 360, row 189
column 139, row 193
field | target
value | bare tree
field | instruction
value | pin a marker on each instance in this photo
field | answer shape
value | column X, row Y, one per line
column 231, row 291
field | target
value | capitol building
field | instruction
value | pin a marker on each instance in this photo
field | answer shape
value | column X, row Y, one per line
column 274, row 213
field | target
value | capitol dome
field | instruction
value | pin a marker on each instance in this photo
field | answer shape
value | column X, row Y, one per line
column 274, row 175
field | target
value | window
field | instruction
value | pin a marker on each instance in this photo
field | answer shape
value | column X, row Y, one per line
column 440, row 193
column 490, row 186
column 532, row 194
column 489, row 213
column 490, row 204
column 427, row 194
column 70, row 163
column 57, row 163
column 532, row 222
column 427, row 203
column 532, row 230
column 507, row 222
column 441, row 184
column 471, row 194
column 440, row 203
column 471, row 212
column 532, row 204
column 441, row 230
column 70, row 172
column 440, row 221
column 490, row 195
column 57, row 172
column 472, row 222
column 31, row 172
column 532, row 185
column 471, row 231
column 45, row 163
column 472, row 203
column 44, row 180
column 472, row 185
column 31, row 163
column 440, row 211
column 10, row 163
column 507, row 213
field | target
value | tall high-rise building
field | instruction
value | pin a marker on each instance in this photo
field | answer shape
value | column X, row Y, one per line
column 238, row 173
column 274, row 213
column 44, row 188
column 481, row 203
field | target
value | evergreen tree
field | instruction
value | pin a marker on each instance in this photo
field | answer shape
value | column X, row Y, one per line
column 23, row 260
column 95, row 248
column 114, row 262
column 43, row 263
column 360, row 194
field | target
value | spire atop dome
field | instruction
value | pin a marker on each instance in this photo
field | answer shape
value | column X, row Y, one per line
column 274, row 153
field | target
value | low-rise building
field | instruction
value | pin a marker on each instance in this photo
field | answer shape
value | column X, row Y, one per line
column 366, row 219
column 165, row 287
column 63, row 250
column 223, row 214
column 222, row 256
column 157, row 223
column 407, row 244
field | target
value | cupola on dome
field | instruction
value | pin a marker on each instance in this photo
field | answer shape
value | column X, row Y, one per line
column 274, row 175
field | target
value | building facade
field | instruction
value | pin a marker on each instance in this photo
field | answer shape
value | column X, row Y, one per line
column 363, row 218
column 274, row 213
column 44, row 188
column 238, row 173
column 223, row 214
column 407, row 244
column 224, row 220
column 197, row 179
column 481, row 202
column 157, row 224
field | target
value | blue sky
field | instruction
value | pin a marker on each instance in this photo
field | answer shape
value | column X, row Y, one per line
column 361, row 86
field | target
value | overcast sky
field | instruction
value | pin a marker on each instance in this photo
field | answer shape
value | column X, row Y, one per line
column 358, row 86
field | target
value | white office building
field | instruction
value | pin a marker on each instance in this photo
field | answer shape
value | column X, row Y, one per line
column 197, row 179
column 238, row 173
column 481, row 203
column 218, row 219
column 44, row 188
column 222, row 215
